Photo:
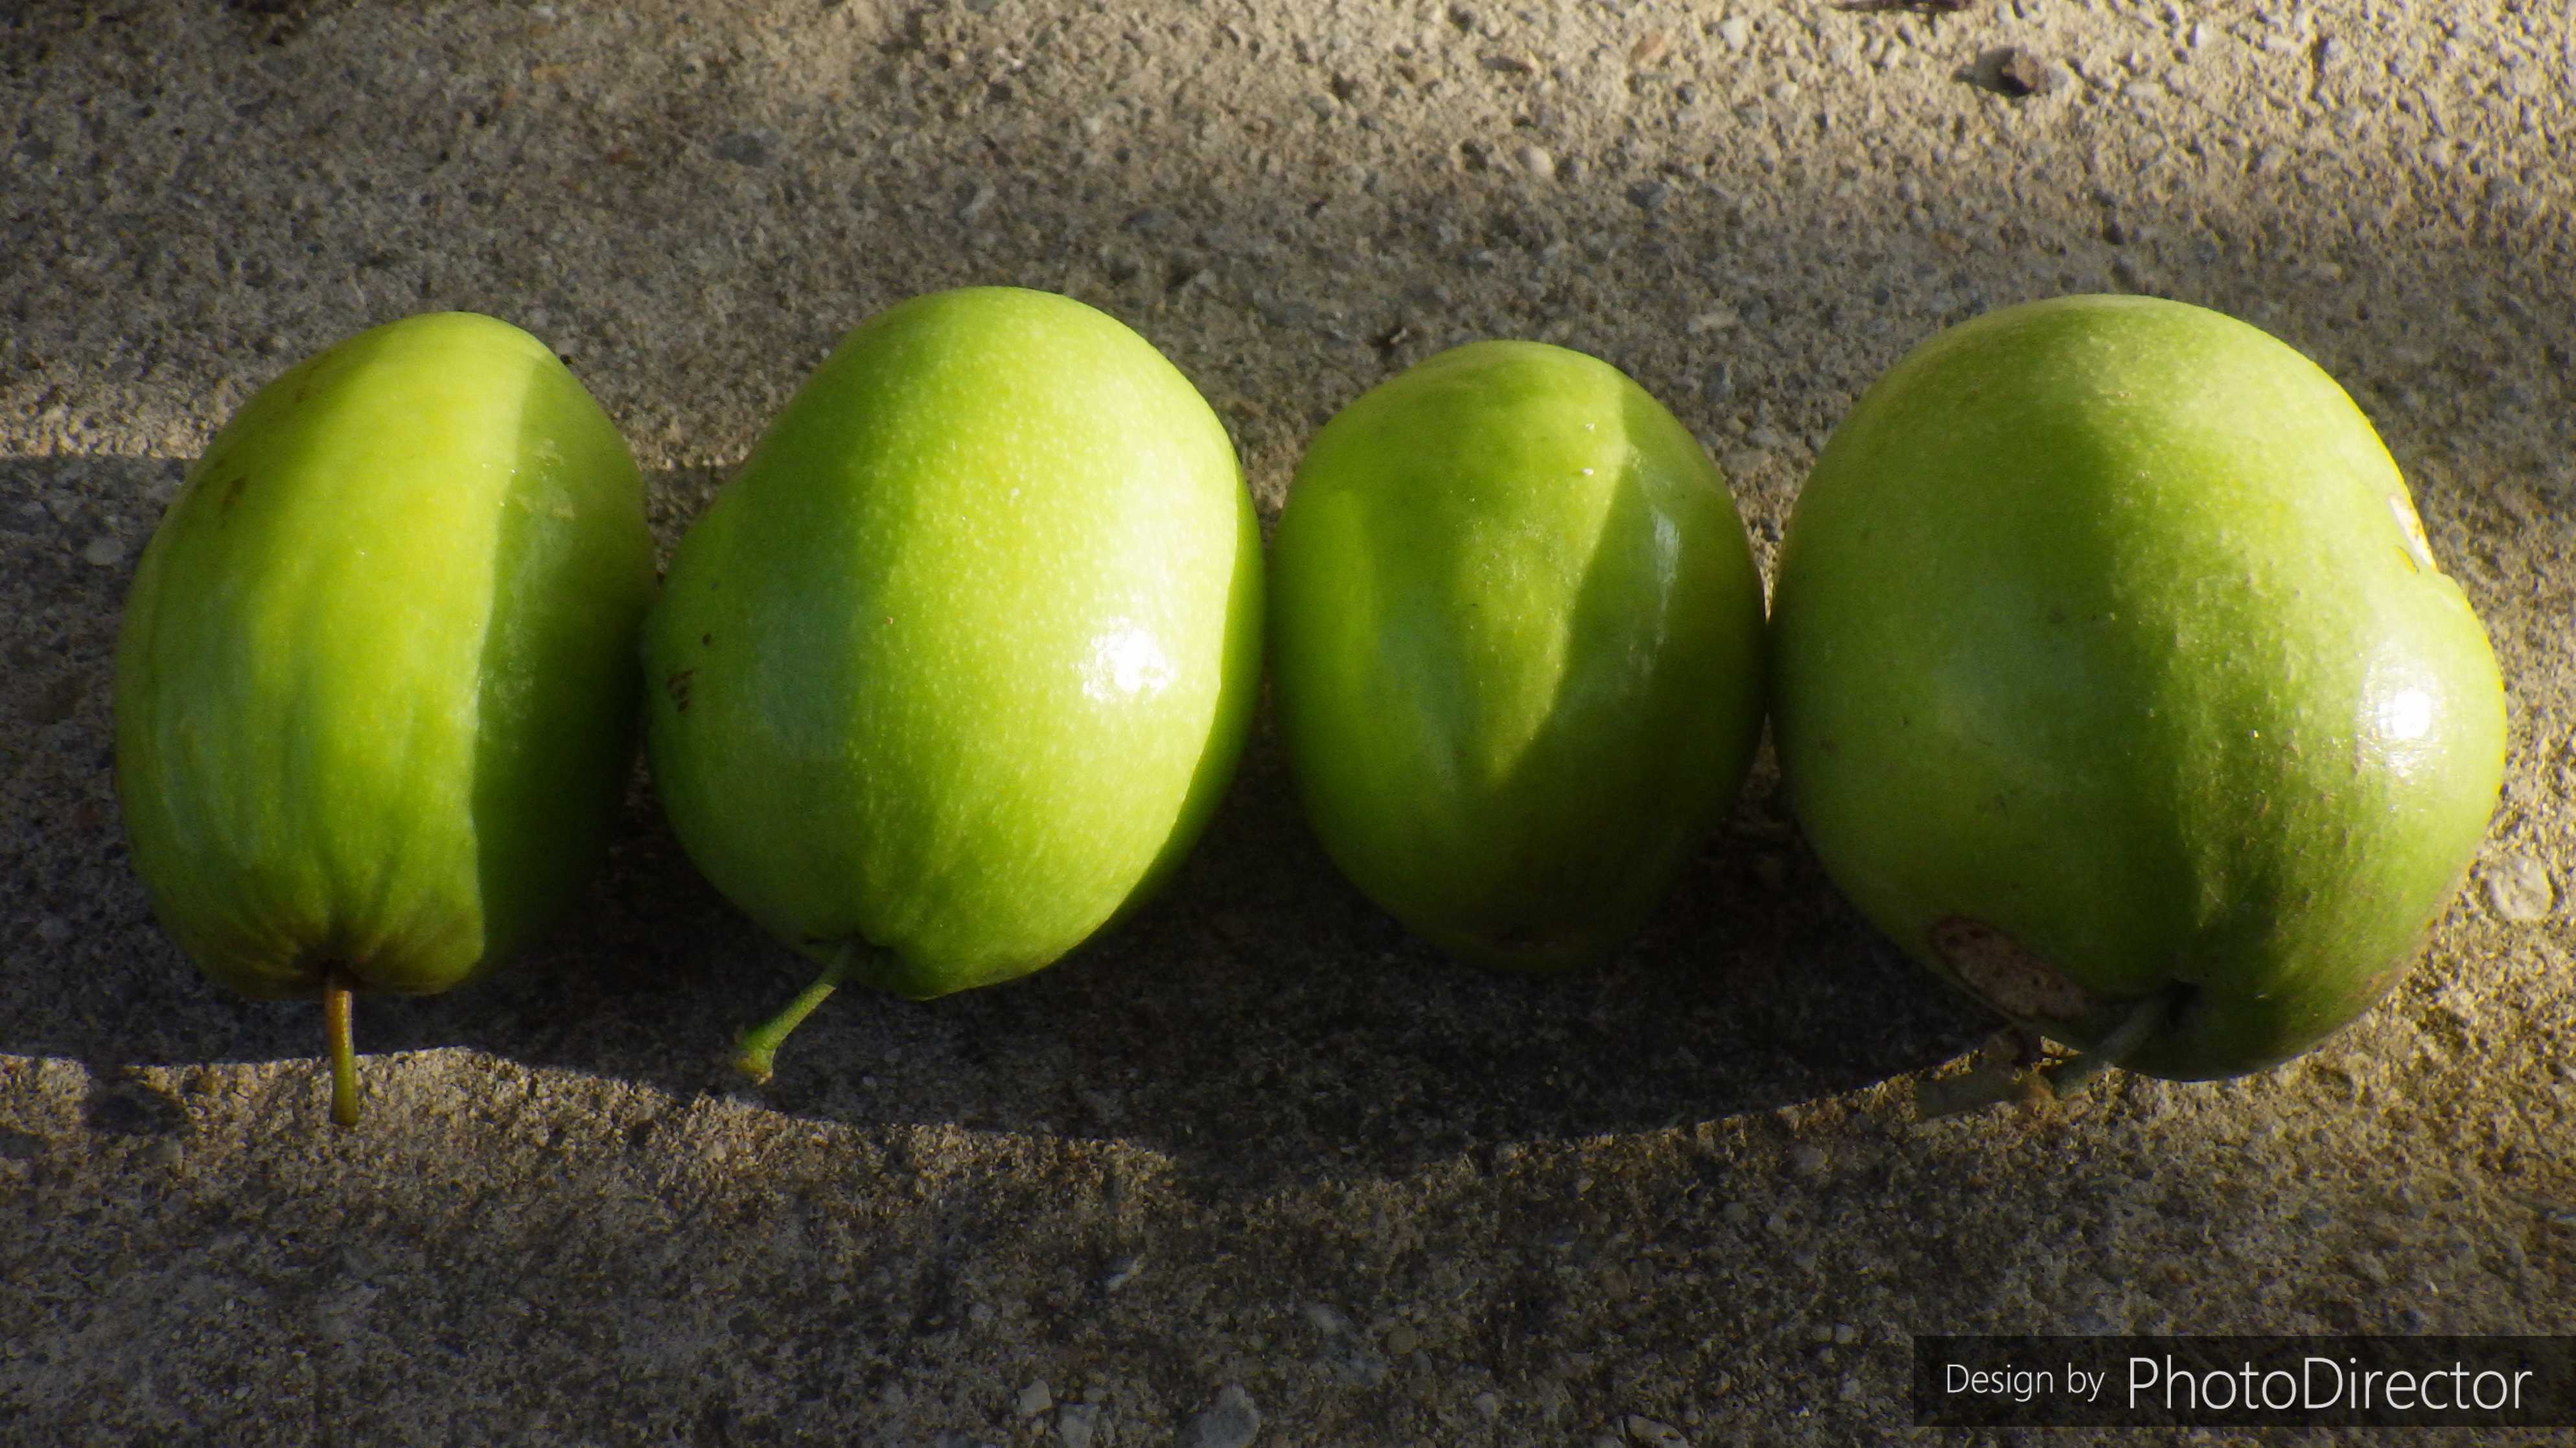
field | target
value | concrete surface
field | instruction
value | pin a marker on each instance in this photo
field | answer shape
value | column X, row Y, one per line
column 1257, row 1163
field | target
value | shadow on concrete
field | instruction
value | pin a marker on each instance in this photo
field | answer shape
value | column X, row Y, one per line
column 1262, row 1022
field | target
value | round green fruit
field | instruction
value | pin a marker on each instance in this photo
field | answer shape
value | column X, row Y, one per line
column 955, row 670
column 2114, row 680
column 1516, row 649
column 376, row 687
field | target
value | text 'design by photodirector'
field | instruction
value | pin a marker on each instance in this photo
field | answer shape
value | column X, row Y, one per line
column 2104, row 1382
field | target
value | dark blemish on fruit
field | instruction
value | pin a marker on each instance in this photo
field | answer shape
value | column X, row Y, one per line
column 2006, row 975
column 677, row 686
column 233, row 489
column 706, row 639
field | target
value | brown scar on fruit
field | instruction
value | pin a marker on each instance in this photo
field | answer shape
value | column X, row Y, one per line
column 677, row 686
column 2006, row 974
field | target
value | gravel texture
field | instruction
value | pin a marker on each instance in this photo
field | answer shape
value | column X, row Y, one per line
column 1257, row 1168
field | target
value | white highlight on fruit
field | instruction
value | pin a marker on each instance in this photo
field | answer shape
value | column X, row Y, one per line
column 1126, row 661
column 2400, row 706
column 2405, row 715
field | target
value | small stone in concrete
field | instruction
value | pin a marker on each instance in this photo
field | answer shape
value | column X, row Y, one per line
column 1077, row 1424
column 1231, row 1422
column 2518, row 887
column 1734, row 31
column 1036, row 1398
column 105, row 551
column 1402, row 1339
column 748, row 148
column 1121, row 1272
column 1536, row 163
column 1653, row 1434
column 2010, row 71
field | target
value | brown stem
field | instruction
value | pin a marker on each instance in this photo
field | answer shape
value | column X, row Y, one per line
column 344, row 1051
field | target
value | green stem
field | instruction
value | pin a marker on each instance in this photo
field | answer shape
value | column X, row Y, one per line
column 756, row 1049
column 2143, row 1020
column 344, row 1051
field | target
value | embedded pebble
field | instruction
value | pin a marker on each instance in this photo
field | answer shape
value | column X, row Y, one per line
column 1402, row 1339
column 1346, row 1351
column 748, row 148
column 1077, row 1424
column 2020, row 73
column 2519, row 889
column 1734, row 31
column 1121, row 1272
column 1036, row 1398
column 104, row 551
column 1654, row 1434
column 1231, row 1422
column 1537, row 163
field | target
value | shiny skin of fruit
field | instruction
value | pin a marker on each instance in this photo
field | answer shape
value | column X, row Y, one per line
column 375, row 690
column 1516, row 649
column 955, row 669
column 2113, row 672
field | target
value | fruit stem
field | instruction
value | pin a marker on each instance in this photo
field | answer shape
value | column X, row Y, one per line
column 344, row 1051
column 756, row 1049
column 2142, row 1021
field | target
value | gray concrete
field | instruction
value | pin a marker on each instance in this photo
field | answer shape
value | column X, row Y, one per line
column 1257, row 1141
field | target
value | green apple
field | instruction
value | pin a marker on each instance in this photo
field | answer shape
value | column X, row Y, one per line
column 376, row 687
column 956, row 668
column 1516, row 649
column 2114, row 680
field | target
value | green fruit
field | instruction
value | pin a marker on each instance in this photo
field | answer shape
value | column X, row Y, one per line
column 1516, row 650
column 956, row 668
column 2114, row 680
column 376, row 690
